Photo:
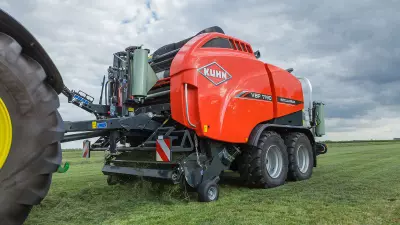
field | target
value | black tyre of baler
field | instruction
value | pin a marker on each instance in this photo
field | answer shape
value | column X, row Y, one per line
column 293, row 141
column 252, row 166
column 203, row 191
column 112, row 179
column 35, row 152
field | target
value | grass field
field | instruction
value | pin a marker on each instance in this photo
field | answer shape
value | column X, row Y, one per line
column 354, row 183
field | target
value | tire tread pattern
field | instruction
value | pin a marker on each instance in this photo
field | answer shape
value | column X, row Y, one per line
column 25, row 182
column 250, row 163
column 290, row 141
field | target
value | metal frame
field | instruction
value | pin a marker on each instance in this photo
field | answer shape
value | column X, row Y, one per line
column 172, row 134
column 81, row 100
column 83, row 135
column 154, row 173
column 139, row 122
column 143, row 121
column 195, row 169
column 185, row 145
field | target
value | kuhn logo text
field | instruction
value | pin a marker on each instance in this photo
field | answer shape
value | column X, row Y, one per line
column 214, row 73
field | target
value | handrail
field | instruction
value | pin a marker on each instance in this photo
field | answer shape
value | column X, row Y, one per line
column 187, row 107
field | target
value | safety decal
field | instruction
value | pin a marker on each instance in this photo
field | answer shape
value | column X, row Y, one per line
column 214, row 73
column 266, row 97
column 86, row 149
column 255, row 96
column 163, row 150
column 80, row 99
column 102, row 125
column 289, row 101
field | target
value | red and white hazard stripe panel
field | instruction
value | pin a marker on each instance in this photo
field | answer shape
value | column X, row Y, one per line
column 163, row 150
column 86, row 149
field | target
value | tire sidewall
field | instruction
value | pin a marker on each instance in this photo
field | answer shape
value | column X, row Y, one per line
column 23, row 128
column 277, row 141
column 203, row 191
column 37, row 129
column 303, row 141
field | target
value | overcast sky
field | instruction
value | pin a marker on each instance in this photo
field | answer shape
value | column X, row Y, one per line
column 350, row 50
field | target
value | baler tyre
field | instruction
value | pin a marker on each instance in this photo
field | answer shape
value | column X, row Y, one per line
column 126, row 179
column 208, row 191
column 301, row 161
column 112, row 180
column 266, row 164
column 35, row 128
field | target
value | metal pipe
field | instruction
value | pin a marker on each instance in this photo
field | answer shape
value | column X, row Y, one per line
column 102, row 90
column 106, row 94
column 161, row 93
column 187, row 107
column 126, row 149
column 174, row 149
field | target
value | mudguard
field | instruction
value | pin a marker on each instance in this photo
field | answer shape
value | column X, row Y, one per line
column 32, row 48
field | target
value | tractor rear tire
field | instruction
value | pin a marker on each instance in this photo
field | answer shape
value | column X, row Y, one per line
column 266, row 164
column 301, row 157
column 36, row 128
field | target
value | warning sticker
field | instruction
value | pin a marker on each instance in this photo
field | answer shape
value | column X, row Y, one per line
column 102, row 125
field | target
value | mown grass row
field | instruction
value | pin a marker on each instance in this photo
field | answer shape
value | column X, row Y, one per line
column 354, row 183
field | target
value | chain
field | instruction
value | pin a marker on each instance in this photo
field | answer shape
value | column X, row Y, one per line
column 197, row 150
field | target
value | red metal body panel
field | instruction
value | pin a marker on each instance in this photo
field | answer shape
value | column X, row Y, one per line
column 285, row 85
column 224, row 115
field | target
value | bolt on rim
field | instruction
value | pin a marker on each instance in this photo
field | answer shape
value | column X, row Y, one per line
column 303, row 161
column 5, row 134
column 274, row 161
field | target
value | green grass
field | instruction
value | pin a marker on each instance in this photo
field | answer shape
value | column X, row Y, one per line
column 354, row 183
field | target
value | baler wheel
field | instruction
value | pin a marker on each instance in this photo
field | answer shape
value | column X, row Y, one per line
column 300, row 156
column 208, row 191
column 112, row 179
column 31, row 151
column 265, row 165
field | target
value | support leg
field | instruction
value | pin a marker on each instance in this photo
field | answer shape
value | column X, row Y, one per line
column 204, row 177
column 113, row 141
